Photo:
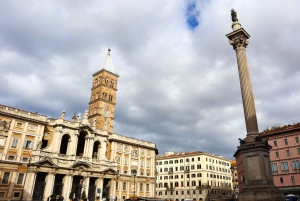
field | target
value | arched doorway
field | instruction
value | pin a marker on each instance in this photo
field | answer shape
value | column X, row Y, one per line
column 64, row 144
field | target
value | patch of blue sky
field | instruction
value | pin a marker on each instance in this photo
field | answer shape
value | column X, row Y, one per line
column 192, row 15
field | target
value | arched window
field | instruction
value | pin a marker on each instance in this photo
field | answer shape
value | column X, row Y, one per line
column 96, row 150
column 104, row 96
column 110, row 97
column 80, row 143
column 106, row 81
column 112, row 83
column 64, row 144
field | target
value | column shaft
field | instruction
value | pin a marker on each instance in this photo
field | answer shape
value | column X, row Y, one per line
column 49, row 185
column 246, row 89
column 67, row 188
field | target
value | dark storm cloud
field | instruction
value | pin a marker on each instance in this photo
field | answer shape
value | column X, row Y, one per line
column 178, row 87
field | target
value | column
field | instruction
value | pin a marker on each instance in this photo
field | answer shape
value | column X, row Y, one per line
column 112, row 189
column 91, row 146
column 28, row 185
column 12, row 183
column 75, row 144
column 86, row 186
column 67, row 188
column 103, row 150
column 238, row 39
column 85, row 147
column 99, row 185
column 56, row 139
column 49, row 180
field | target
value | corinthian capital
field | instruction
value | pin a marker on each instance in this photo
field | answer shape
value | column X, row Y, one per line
column 238, row 41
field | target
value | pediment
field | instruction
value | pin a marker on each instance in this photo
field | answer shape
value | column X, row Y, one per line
column 46, row 162
column 86, row 128
column 109, row 170
column 81, row 165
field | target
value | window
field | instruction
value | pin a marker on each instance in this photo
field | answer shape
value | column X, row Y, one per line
column 296, row 139
column 125, row 161
column 124, row 186
column 15, row 142
column 125, row 171
column 141, row 187
column 181, row 160
column 296, row 166
column 274, row 168
column 193, row 175
column 28, row 144
column 176, row 176
column 187, row 160
column 148, row 164
column 199, row 175
column 24, row 159
column 160, row 163
column 276, row 154
column 192, row 159
column 20, row 125
column 112, row 84
column 110, row 97
column 165, row 169
column 286, row 141
column 147, row 187
column 288, row 152
column 198, row 166
column 119, row 146
column 11, row 158
column 142, row 163
column 170, row 162
column 198, row 158
column 20, row 178
column 192, row 167
column 284, row 167
column 298, row 150
column 117, row 185
column 31, row 127
column 5, row 178
column 16, row 194
column 176, row 161
column 165, row 177
column 275, row 143
column 166, row 162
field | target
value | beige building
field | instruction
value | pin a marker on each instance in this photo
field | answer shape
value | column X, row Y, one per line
column 193, row 175
column 43, row 156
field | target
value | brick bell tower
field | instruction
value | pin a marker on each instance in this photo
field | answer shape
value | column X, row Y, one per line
column 103, row 96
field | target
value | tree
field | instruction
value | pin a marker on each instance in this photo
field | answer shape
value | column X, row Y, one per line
column 83, row 195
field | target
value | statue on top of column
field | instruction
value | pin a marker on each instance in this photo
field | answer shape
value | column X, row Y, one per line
column 233, row 16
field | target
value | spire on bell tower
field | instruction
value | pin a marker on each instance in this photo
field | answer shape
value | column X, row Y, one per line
column 103, row 96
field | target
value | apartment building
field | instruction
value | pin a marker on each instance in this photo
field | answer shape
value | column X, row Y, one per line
column 194, row 175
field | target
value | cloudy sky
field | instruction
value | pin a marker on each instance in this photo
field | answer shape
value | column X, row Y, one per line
column 178, row 85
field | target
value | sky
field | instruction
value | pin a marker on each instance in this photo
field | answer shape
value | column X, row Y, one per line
column 178, row 84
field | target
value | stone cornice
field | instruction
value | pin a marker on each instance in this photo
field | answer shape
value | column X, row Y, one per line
column 99, row 99
column 238, row 38
column 23, row 118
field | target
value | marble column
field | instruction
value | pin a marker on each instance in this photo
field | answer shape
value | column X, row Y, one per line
column 50, row 178
column 75, row 143
column 238, row 39
column 99, row 185
column 86, row 186
column 252, row 156
column 67, row 188
column 103, row 150
column 112, row 192
column 28, row 185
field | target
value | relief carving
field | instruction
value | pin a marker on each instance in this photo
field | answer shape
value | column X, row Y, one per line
column 4, row 126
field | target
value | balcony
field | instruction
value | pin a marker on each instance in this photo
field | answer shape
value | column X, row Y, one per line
column 170, row 172
column 170, row 188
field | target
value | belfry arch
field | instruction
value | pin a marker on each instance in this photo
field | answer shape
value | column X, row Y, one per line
column 81, row 143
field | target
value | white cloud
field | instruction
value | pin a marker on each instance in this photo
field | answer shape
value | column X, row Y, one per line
column 178, row 87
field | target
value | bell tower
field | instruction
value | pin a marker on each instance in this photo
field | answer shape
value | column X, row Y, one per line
column 103, row 96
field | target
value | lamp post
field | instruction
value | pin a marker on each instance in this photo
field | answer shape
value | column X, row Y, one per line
column 134, row 175
column 233, row 185
column 293, row 181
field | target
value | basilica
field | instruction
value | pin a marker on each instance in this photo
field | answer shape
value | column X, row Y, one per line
column 42, row 157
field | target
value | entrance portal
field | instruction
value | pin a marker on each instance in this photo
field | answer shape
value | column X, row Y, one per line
column 38, row 191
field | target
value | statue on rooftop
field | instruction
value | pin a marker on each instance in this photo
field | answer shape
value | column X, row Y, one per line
column 233, row 16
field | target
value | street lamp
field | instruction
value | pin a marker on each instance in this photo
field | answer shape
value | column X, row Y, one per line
column 133, row 172
column 233, row 185
column 293, row 181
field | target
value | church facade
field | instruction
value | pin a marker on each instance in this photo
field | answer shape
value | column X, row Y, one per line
column 41, row 156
